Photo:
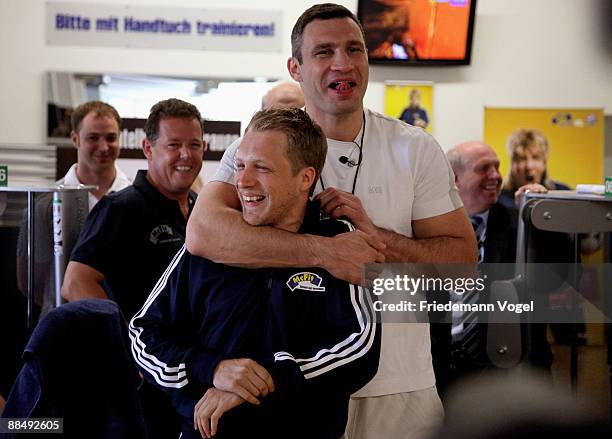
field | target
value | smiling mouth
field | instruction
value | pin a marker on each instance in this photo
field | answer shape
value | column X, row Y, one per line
column 491, row 187
column 342, row 85
column 253, row 198
column 183, row 168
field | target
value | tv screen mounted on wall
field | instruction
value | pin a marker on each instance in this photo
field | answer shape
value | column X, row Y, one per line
column 418, row 32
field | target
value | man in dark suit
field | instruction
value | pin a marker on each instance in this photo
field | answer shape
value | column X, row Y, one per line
column 477, row 176
column 476, row 168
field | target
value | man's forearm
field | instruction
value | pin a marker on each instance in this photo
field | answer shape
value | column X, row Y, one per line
column 440, row 249
column 217, row 231
column 229, row 240
column 233, row 242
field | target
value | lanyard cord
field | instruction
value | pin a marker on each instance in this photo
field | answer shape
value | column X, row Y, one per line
column 360, row 146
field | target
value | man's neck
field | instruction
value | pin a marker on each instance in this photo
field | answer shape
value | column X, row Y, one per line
column 181, row 197
column 479, row 213
column 295, row 218
column 104, row 179
column 344, row 127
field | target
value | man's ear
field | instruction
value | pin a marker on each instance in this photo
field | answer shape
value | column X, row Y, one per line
column 307, row 178
column 294, row 69
column 146, row 148
column 457, row 182
column 74, row 137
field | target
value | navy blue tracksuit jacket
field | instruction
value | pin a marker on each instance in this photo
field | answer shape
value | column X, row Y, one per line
column 315, row 334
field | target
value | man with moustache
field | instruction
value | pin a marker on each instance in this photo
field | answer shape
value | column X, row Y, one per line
column 391, row 180
column 130, row 237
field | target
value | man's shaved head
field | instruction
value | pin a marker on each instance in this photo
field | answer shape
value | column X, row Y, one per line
column 283, row 95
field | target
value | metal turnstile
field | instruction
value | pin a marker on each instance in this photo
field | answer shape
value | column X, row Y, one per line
column 571, row 213
column 48, row 221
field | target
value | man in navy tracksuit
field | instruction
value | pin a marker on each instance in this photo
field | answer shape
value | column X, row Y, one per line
column 293, row 343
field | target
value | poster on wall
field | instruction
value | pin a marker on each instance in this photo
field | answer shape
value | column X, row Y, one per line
column 116, row 25
column 411, row 102
column 575, row 140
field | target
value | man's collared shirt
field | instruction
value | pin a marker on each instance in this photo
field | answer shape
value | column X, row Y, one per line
column 121, row 181
column 130, row 237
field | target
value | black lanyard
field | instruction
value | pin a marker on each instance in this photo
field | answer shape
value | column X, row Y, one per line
column 360, row 146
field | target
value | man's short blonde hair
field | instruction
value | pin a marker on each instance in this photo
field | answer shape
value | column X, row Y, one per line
column 306, row 143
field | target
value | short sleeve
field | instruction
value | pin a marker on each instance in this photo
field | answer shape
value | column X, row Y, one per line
column 102, row 232
column 435, row 192
column 227, row 168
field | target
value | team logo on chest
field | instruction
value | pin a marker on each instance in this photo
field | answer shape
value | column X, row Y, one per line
column 163, row 234
column 305, row 281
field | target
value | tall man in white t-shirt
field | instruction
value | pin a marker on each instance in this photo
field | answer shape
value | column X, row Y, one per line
column 390, row 179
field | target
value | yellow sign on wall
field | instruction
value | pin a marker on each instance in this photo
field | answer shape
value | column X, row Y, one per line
column 575, row 139
column 400, row 95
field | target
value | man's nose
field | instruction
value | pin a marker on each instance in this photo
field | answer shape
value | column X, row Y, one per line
column 104, row 145
column 341, row 61
column 244, row 178
column 184, row 152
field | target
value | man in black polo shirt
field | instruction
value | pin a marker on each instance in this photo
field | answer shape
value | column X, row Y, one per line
column 130, row 236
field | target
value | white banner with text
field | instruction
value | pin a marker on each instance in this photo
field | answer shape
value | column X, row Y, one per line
column 78, row 24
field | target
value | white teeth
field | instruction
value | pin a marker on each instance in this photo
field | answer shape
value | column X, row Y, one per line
column 183, row 168
column 253, row 198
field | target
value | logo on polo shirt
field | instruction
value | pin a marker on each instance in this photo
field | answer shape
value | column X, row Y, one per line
column 163, row 234
column 305, row 281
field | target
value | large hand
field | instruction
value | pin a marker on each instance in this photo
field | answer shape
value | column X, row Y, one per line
column 210, row 408
column 243, row 377
column 338, row 204
column 346, row 255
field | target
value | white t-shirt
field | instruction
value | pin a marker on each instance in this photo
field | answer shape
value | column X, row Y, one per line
column 121, row 181
column 404, row 176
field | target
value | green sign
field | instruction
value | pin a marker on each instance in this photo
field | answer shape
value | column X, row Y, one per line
column 3, row 175
column 608, row 188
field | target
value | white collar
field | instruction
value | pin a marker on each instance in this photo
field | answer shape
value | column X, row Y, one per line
column 121, row 181
column 484, row 216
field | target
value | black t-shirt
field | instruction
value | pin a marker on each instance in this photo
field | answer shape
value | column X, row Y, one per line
column 130, row 237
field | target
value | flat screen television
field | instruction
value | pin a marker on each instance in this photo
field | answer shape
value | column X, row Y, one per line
column 418, row 32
